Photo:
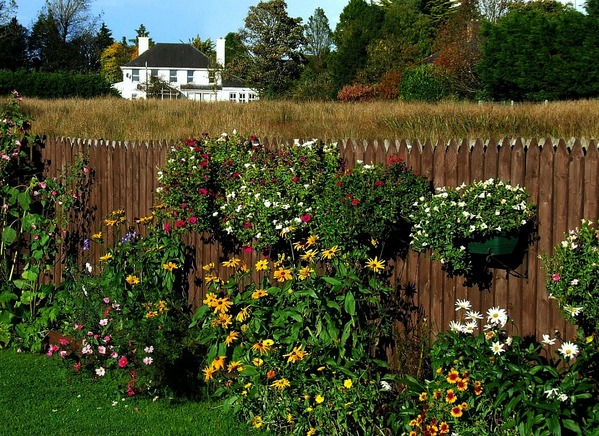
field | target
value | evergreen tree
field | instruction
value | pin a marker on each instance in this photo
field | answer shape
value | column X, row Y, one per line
column 359, row 25
column 540, row 51
column 13, row 38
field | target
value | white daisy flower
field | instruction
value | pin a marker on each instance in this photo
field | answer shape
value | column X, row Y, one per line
column 473, row 315
column 568, row 350
column 497, row 316
column 462, row 304
column 547, row 340
column 497, row 348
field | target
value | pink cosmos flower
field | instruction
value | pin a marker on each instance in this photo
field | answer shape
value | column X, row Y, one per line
column 192, row 220
column 306, row 218
column 77, row 366
column 63, row 354
column 149, row 349
column 247, row 249
column 106, row 300
column 106, row 338
column 148, row 360
column 102, row 349
column 64, row 342
column 100, row 372
column 123, row 362
column 43, row 185
column 78, row 326
column 104, row 322
column 555, row 277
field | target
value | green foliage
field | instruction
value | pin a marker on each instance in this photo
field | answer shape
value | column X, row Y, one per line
column 573, row 276
column 492, row 383
column 297, row 350
column 357, row 28
column 33, row 222
column 255, row 197
column 450, row 219
column 127, row 317
column 428, row 83
column 540, row 51
column 54, row 85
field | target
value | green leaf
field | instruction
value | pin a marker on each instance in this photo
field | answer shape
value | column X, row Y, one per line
column 8, row 235
column 571, row 425
column 5, row 297
column 20, row 283
column 29, row 275
column 334, row 305
column 24, row 200
column 350, row 303
column 332, row 281
column 346, row 332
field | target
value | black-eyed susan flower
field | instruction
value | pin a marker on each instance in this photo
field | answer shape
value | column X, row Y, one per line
column 281, row 384
column 208, row 267
column 263, row 346
column 234, row 262
column 312, row 239
column 259, row 293
column 375, row 264
column 170, row 266
column 222, row 305
column 296, row 354
column 231, row 337
column 283, row 274
column 243, row 314
column 257, row 421
column 132, row 279
column 106, row 257
column 208, row 373
column 218, row 363
column 309, row 256
column 235, row 365
column 261, row 265
column 304, row 273
column 329, row 253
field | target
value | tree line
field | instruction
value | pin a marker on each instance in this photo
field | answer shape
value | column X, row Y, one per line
column 426, row 50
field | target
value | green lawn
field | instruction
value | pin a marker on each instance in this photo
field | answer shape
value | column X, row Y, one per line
column 38, row 395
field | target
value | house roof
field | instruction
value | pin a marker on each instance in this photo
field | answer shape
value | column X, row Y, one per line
column 172, row 56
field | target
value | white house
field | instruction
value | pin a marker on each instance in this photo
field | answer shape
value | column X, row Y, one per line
column 187, row 72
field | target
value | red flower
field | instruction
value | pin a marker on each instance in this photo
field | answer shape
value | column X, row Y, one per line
column 63, row 342
column 355, row 202
column 295, row 179
column 123, row 362
column 247, row 249
column 394, row 159
column 203, row 191
column 192, row 220
column 247, row 225
column 306, row 218
column 379, row 183
column 203, row 164
column 180, row 223
column 167, row 227
column 77, row 366
column 270, row 374
column 556, row 277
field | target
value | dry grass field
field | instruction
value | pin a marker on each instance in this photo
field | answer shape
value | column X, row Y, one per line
column 123, row 120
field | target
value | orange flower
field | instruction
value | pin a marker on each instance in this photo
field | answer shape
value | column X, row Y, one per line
column 231, row 337
column 444, row 428
column 461, row 385
column 296, row 354
column 478, row 388
column 450, row 396
column 422, row 396
column 453, row 376
column 456, row 411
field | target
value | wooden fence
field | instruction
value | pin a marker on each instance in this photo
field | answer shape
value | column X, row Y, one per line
column 560, row 175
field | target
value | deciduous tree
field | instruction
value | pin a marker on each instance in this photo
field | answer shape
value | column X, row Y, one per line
column 273, row 41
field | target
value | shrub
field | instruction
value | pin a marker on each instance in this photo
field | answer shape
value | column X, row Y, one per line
column 297, row 351
column 127, row 317
column 573, row 276
column 426, row 83
column 33, row 220
column 357, row 93
column 493, row 383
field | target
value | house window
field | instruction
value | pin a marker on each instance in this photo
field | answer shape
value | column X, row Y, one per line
column 232, row 96
column 189, row 76
column 135, row 75
column 211, row 76
column 172, row 76
column 154, row 72
column 241, row 96
column 251, row 97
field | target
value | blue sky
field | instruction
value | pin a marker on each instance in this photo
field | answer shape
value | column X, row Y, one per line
column 181, row 20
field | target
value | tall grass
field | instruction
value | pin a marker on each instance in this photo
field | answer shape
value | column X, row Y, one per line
column 123, row 120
